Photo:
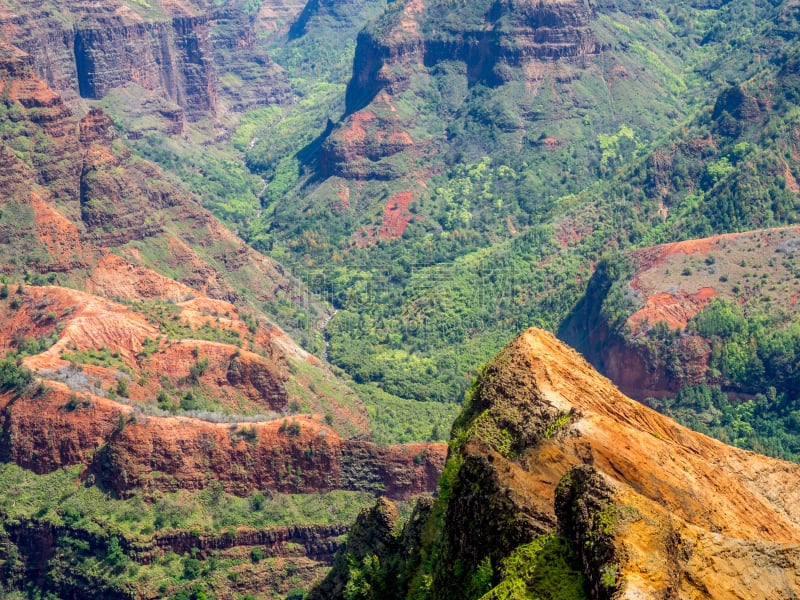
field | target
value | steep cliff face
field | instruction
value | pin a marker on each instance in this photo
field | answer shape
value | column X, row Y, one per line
column 178, row 387
column 414, row 41
column 490, row 39
column 649, row 508
column 632, row 323
column 293, row 455
column 179, row 343
column 169, row 58
column 130, row 451
column 74, row 192
column 178, row 52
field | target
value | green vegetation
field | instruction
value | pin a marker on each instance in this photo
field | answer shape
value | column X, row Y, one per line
column 508, row 233
column 395, row 420
column 524, row 184
column 99, row 535
column 13, row 376
column 544, row 568
column 100, row 357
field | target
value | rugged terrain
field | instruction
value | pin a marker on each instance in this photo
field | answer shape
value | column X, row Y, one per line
column 140, row 369
column 551, row 465
column 441, row 180
column 670, row 284
column 175, row 54
column 488, row 156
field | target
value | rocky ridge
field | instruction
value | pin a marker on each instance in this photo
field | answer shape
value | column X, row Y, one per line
column 650, row 509
column 133, row 442
column 78, row 193
column 164, row 376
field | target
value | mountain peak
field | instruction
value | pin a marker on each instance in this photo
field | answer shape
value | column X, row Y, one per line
column 702, row 480
column 549, row 454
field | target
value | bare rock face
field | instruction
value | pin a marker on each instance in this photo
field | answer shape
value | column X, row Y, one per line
column 177, row 53
column 548, row 449
column 293, row 455
column 168, row 57
column 426, row 33
column 666, row 286
column 649, row 505
column 70, row 417
column 412, row 39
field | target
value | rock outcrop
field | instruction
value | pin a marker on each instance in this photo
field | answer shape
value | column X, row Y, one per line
column 177, row 52
column 134, row 440
column 649, row 508
column 292, row 455
column 74, row 192
column 666, row 286
column 405, row 47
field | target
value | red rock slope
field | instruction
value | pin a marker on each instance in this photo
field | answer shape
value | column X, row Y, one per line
column 653, row 509
column 141, row 395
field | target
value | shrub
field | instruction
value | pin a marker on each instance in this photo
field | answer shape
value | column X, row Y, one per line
column 197, row 370
column 256, row 554
column 13, row 376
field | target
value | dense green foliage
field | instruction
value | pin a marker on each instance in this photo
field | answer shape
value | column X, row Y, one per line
column 506, row 236
column 682, row 125
column 754, row 357
column 668, row 135
column 13, row 376
column 544, row 568
column 97, row 537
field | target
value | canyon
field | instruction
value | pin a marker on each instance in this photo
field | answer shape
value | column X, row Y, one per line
column 247, row 248
column 142, row 318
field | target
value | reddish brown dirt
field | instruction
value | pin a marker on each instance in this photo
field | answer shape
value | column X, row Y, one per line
column 262, row 456
column 59, row 235
column 87, row 322
column 57, row 428
column 240, row 380
column 71, row 418
column 697, row 518
column 673, row 308
column 114, row 277
column 649, row 258
column 245, row 379
column 400, row 138
column 551, row 142
column 44, row 434
column 396, row 216
column 355, row 133
column 677, row 286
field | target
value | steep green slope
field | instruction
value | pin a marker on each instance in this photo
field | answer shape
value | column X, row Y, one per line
column 468, row 193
